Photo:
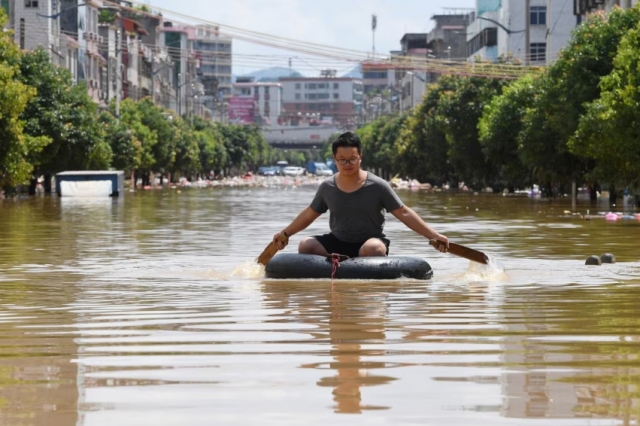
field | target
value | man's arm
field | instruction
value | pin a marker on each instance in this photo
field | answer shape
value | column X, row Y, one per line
column 304, row 219
column 411, row 219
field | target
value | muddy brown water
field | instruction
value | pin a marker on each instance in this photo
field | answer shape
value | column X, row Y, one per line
column 149, row 310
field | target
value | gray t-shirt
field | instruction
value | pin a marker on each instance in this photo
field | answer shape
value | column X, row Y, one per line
column 356, row 216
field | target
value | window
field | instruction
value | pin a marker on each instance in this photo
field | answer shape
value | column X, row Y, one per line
column 297, row 86
column 538, row 52
column 374, row 74
column 336, row 86
column 487, row 37
column 336, row 96
column 538, row 15
column 31, row 4
column 297, row 96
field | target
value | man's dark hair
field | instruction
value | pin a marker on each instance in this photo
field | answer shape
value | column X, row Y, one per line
column 347, row 140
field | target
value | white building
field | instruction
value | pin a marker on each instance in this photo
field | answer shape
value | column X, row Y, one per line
column 214, row 55
column 502, row 28
column 335, row 98
column 267, row 100
column 32, row 28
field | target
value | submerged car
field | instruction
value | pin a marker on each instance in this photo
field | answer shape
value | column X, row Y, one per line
column 267, row 171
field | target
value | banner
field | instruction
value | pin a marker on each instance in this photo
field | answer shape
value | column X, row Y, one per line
column 241, row 110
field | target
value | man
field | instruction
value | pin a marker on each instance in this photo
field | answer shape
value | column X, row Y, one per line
column 356, row 200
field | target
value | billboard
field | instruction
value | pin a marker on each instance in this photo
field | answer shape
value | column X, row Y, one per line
column 241, row 110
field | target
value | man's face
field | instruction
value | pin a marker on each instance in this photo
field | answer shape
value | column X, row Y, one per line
column 347, row 160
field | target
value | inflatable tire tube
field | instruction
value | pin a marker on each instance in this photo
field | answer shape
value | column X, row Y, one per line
column 301, row 266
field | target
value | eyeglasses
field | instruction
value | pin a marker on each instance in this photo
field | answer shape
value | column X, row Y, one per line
column 343, row 162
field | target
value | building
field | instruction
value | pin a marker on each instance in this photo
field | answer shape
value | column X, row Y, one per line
column 503, row 30
column 411, row 77
column 583, row 8
column 448, row 39
column 177, row 40
column 34, row 27
column 79, row 20
column 328, row 98
column 258, row 103
column 214, row 69
column 377, row 76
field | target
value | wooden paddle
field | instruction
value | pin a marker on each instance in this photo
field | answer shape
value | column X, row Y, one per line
column 271, row 250
column 462, row 251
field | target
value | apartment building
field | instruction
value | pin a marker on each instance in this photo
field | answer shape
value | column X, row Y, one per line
column 79, row 20
column 583, row 8
column 377, row 76
column 176, row 40
column 33, row 27
column 327, row 97
column 213, row 52
column 258, row 103
column 502, row 29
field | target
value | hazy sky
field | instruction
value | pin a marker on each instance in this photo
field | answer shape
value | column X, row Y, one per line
column 341, row 23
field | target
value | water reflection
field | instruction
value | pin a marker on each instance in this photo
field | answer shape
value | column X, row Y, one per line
column 146, row 310
column 350, row 316
column 37, row 375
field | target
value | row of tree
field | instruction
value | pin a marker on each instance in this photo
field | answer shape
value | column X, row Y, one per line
column 48, row 124
column 578, row 121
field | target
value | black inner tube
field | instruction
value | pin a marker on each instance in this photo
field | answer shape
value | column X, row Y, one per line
column 293, row 265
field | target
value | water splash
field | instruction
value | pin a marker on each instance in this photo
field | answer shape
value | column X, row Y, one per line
column 492, row 271
column 248, row 269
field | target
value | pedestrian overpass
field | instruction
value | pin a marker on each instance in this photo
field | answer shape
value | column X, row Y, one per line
column 298, row 137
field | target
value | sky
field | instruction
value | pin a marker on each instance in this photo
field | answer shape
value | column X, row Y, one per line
column 340, row 23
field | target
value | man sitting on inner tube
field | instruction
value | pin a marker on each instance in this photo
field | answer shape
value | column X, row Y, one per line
column 357, row 201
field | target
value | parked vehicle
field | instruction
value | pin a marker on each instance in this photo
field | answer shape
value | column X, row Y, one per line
column 267, row 171
column 293, row 171
column 319, row 169
column 279, row 167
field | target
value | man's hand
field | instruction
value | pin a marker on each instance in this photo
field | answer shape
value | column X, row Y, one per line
column 443, row 247
column 281, row 239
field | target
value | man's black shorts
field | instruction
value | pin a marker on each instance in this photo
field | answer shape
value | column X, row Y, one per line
column 333, row 245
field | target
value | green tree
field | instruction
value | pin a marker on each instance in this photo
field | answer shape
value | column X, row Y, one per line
column 500, row 127
column 144, row 139
column 565, row 90
column 370, row 136
column 187, row 146
column 125, row 147
column 609, row 132
column 157, row 120
column 64, row 113
column 16, row 147
column 460, row 110
column 422, row 147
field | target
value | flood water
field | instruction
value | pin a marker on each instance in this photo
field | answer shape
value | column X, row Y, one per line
column 150, row 310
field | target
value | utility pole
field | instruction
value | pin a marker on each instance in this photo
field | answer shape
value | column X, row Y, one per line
column 179, row 94
column 153, row 77
column 118, row 73
column 549, row 35
column 374, row 25
column 527, row 32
